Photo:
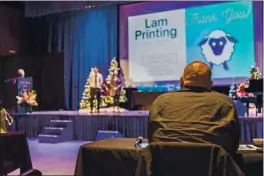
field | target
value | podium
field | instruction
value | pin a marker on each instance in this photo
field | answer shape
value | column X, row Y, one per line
column 23, row 84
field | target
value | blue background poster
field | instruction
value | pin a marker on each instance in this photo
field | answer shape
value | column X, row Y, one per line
column 235, row 20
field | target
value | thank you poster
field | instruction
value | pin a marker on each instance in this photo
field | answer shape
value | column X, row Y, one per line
column 222, row 36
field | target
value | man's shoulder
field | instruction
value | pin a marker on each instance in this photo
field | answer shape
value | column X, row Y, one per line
column 222, row 97
column 165, row 95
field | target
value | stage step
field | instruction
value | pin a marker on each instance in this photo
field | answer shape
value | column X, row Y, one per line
column 60, row 123
column 48, row 138
column 53, row 130
column 58, row 131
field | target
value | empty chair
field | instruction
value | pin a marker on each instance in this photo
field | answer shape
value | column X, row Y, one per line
column 7, row 167
column 189, row 159
column 32, row 172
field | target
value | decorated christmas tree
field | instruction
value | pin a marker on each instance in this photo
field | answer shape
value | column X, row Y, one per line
column 86, row 95
column 107, row 98
column 233, row 91
column 255, row 73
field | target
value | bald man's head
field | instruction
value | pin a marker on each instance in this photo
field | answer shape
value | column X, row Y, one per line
column 21, row 73
column 197, row 74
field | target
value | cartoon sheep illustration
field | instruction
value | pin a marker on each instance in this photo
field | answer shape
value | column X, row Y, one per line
column 217, row 48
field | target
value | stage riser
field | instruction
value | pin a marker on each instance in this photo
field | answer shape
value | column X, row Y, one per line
column 86, row 127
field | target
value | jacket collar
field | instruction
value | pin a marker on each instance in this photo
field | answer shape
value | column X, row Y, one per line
column 194, row 89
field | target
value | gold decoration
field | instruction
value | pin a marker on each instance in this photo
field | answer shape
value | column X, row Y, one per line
column 4, row 117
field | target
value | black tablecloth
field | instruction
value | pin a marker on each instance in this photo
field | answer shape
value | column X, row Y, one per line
column 120, row 157
column 253, row 163
column 115, row 156
column 14, row 148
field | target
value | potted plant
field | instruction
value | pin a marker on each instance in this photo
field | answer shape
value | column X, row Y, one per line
column 27, row 100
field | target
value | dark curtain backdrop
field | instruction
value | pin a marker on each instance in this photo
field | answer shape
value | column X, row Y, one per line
column 10, row 65
column 1, row 78
column 11, row 29
column 48, row 79
column 52, row 82
column 87, row 38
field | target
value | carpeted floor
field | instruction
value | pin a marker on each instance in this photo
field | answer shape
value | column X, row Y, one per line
column 53, row 159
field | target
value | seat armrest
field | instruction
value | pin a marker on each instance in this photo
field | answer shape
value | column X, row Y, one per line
column 32, row 172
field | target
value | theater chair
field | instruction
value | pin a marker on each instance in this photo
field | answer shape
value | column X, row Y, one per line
column 9, row 167
column 189, row 159
column 32, row 172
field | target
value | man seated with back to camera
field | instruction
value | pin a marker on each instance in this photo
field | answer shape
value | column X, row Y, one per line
column 195, row 113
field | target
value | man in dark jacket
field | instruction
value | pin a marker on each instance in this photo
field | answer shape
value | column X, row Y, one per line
column 195, row 113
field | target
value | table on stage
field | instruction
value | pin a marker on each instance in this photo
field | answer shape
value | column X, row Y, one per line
column 120, row 157
column 14, row 149
column 143, row 98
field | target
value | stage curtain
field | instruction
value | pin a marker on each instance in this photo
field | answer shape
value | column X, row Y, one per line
column 87, row 38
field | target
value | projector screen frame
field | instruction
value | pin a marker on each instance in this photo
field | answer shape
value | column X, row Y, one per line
column 218, row 81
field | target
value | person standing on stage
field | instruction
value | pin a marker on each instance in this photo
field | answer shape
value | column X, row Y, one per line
column 116, row 83
column 95, row 81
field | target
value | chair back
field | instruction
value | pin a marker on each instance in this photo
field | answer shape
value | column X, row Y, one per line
column 183, row 159
column 32, row 172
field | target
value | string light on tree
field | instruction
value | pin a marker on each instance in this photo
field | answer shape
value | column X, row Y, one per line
column 233, row 90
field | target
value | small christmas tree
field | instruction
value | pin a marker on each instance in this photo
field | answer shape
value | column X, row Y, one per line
column 255, row 73
column 107, row 98
column 86, row 95
column 232, row 91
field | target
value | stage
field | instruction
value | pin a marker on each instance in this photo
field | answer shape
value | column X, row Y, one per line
column 130, row 124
